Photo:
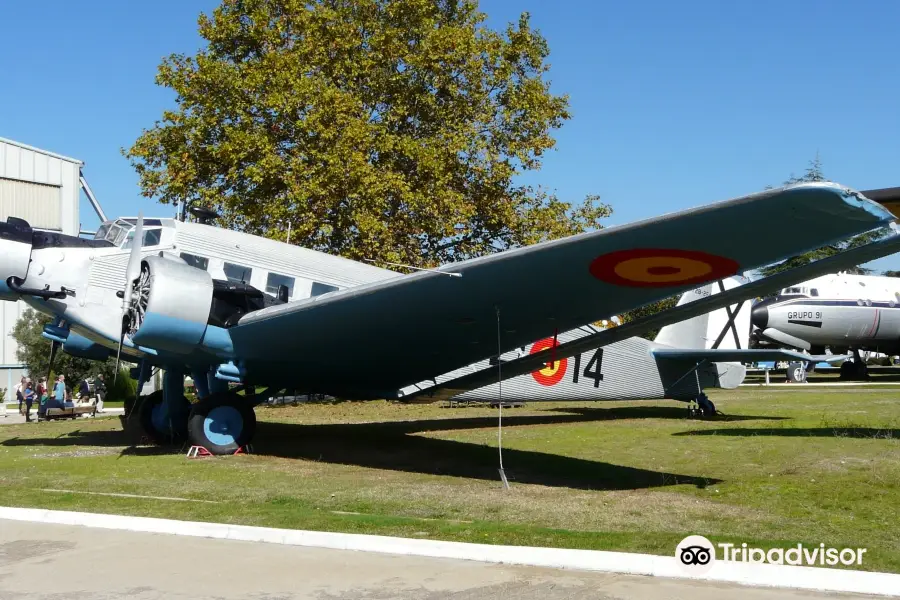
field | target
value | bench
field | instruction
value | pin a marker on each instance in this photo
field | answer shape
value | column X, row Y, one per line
column 67, row 413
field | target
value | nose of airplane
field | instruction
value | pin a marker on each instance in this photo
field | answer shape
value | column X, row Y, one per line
column 759, row 316
column 15, row 253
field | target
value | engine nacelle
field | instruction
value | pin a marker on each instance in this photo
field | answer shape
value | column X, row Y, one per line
column 80, row 346
column 15, row 254
column 174, row 299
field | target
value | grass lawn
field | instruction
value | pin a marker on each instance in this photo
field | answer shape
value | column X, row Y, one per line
column 784, row 466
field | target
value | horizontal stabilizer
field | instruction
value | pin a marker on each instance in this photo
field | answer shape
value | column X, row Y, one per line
column 743, row 356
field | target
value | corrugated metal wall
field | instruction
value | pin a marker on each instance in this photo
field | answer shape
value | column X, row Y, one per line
column 38, row 203
column 31, row 172
column 44, row 189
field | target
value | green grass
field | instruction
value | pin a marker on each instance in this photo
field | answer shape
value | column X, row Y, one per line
column 785, row 466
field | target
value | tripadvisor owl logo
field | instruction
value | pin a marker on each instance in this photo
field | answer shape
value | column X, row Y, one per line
column 695, row 554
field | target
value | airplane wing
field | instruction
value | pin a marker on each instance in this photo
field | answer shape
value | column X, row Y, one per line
column 427, row 391
column 743, row 356
column 372, row 340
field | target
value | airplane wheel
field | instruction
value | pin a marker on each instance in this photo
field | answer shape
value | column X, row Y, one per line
column 154, row 421
column 707, row 408
column 796, row 373
column 222, row 423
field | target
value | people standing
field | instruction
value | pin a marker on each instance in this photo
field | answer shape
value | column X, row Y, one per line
column 28, row 395
column 100, row 391
column 20, row 388
column 43, row 395
column 59, row 391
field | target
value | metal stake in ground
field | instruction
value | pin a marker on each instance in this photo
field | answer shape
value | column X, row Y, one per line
column 500, row 404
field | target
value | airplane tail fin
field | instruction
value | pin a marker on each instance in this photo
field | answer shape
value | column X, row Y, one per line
column 726, row 328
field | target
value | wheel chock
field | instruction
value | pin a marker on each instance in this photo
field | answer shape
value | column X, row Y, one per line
column 198, row 452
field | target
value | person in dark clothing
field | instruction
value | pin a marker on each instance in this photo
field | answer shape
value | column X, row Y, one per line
column 84, row 390
column 28, row 393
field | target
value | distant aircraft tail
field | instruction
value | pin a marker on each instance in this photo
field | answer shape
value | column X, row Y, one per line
column 724, row 328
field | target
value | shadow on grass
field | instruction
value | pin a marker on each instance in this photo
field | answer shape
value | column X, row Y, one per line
column 653, row 412
column 837, row 432
column 394, row 445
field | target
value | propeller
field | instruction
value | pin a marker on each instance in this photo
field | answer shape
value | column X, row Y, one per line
column 132, row 277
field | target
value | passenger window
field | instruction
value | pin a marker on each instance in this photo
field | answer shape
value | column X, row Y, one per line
column 195, row 261
column 238, row 273
column 321, row 288
column 274, row 280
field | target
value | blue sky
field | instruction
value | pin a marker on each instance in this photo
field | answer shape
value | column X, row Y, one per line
column 675, row 104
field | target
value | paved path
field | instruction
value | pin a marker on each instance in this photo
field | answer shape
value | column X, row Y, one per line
column 60, row 562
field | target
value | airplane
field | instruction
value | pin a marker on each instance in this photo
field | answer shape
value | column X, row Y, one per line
column 187, row 298
column 840, row 312
column 686, row 357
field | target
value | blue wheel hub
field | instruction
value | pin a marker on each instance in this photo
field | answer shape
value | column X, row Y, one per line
column 223, row 425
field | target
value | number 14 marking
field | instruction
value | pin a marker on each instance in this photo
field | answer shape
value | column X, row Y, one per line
column 589, row 372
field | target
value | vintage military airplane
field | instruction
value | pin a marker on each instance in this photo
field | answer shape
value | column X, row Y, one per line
column 840, row 312
column 155, row 290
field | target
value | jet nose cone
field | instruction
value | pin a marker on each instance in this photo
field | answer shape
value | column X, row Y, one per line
column 759, row 316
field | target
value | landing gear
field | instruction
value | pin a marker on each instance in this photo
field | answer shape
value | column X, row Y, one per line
column 160, row 424
column 796, row 372
column 222, row 423
column 704, row 406
column 857, row 370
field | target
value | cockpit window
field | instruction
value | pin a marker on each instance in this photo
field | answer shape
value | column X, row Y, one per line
column 151, row 237
column 121, row 233
column 814, row 292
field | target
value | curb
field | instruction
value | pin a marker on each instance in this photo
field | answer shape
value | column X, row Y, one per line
column 762, row 575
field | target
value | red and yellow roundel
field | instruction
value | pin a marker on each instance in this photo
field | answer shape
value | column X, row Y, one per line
column 553, row 372
column 659, row 267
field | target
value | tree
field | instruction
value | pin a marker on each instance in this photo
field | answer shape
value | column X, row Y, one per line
column 34, row 352
column 891, row 274
column 647, row 310
column 388, row 130
column 815, row 173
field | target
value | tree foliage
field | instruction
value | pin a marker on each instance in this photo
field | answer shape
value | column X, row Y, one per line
column 647, row 310
column 34, row 352
column 393, row 130
column 814, row 172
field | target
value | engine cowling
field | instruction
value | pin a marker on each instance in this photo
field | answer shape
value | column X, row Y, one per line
column 15, row 254
column 172, row 305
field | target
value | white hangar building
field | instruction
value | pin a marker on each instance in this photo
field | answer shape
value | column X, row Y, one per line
column 44, row 188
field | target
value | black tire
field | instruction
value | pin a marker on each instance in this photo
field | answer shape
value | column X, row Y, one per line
column 222, row 423
column 145, row 412
column 707, row 408
column 848, row 370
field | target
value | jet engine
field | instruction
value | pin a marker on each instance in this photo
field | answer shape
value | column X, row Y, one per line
column 170, row 305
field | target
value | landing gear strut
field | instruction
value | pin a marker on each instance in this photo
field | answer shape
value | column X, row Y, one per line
column 704, row 408
column 164, row 413
column 161, row 426
column 222, row 423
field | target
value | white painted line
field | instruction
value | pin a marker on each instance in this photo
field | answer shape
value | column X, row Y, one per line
column 781, row 576
column 823, row 384
column 115, row 495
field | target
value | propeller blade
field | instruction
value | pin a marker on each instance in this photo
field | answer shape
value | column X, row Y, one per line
column 119, row 354
column 134, row 260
